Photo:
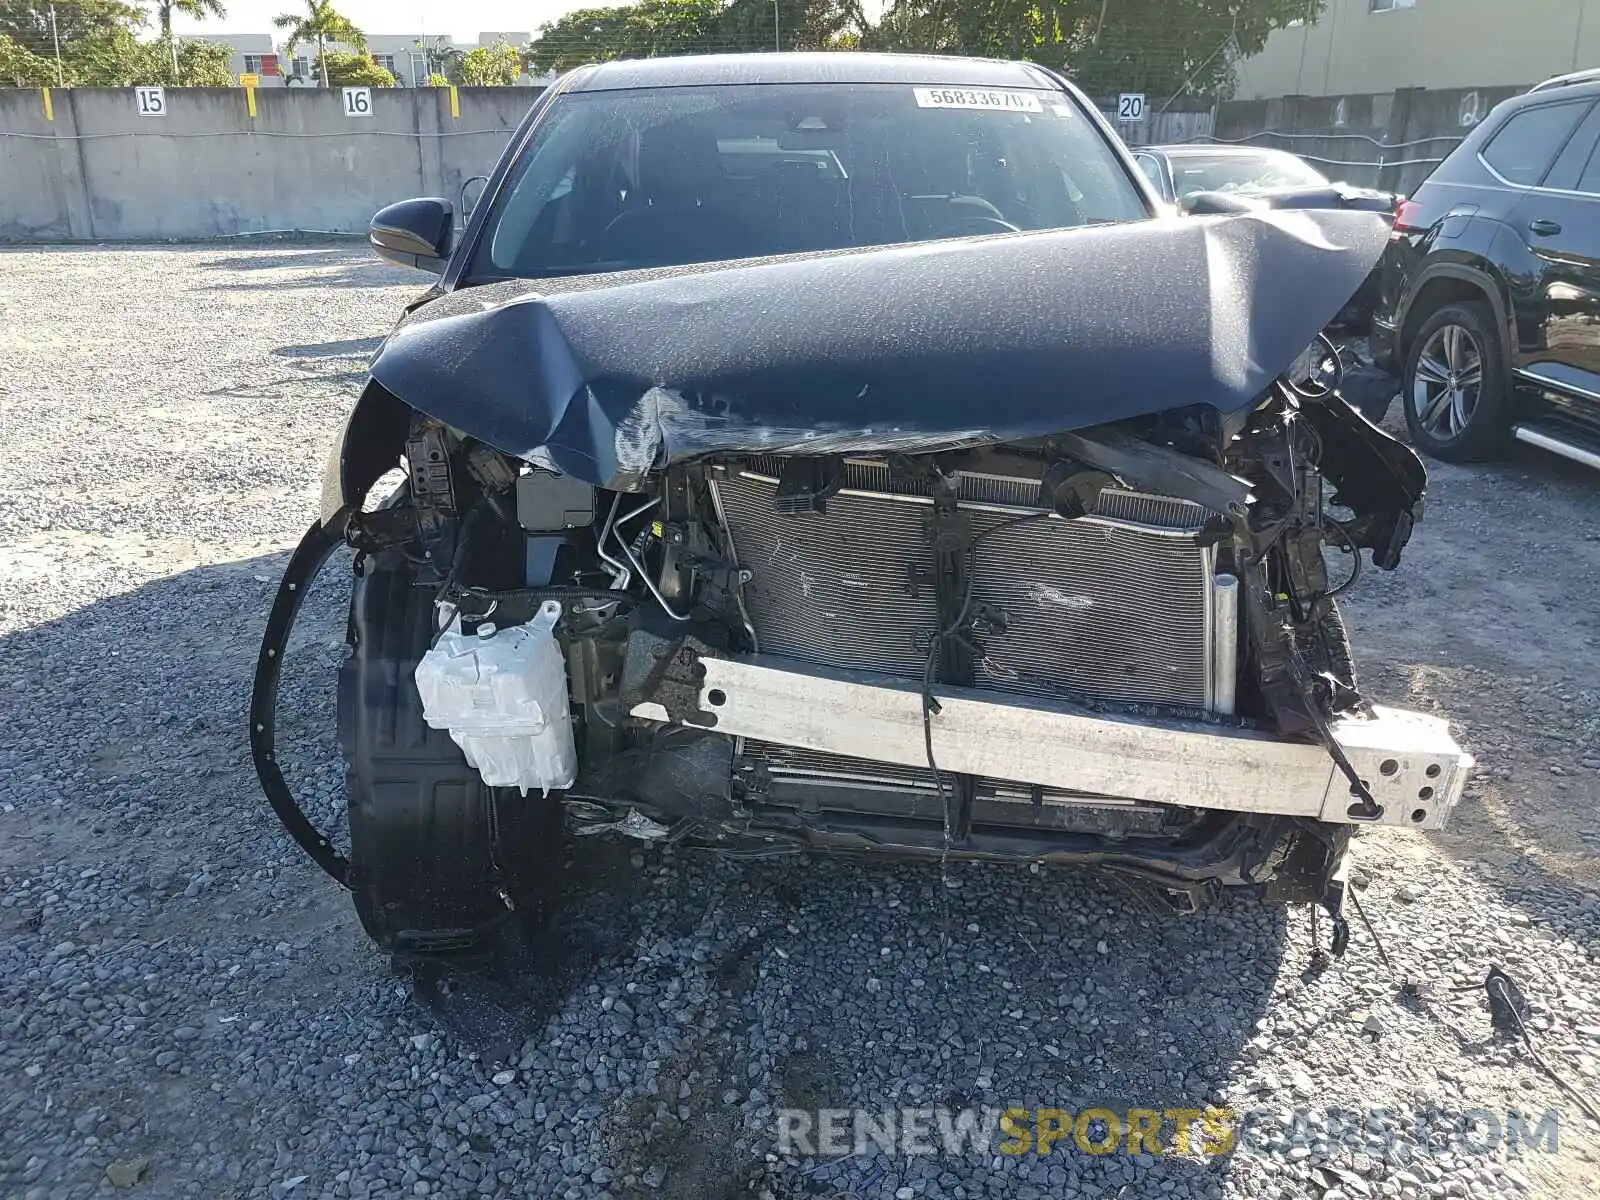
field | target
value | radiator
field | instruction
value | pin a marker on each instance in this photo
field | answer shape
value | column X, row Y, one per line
column 1117, row 605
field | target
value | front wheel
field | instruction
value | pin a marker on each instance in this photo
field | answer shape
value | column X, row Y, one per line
column 439, row 862
column 1454, row 389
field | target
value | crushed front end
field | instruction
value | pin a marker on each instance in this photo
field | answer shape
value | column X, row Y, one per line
column 1114, row 642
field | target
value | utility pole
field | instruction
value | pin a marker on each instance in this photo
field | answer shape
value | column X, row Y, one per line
column 55, row 36
column 777, row 39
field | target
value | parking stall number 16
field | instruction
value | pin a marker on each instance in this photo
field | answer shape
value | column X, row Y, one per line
column 357, row 102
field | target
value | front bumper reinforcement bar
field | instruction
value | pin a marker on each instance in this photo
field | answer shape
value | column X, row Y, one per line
column 1409, row 761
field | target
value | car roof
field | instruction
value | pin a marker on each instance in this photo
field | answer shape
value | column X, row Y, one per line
column 1588, row 79
column 698, row 70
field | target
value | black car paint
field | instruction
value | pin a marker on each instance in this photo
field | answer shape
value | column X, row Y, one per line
column 1531, row 253
column 1157, row 161
column 606, row 378
column 409, row 365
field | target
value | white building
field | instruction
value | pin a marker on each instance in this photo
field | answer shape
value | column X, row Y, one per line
column 253, row 54
column 409, row 57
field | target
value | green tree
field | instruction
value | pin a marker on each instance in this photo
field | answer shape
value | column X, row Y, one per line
column 198, row 9
column 339, row 69
column 93, row 34
column 582, row 36
column 651, row 28
column 100, row 46
column 642, row 30
column 205, row 64
column 437, row 80
column 127, row 62
column 1164, row 47
column 499, row 65
column 440, row 57
column 199, row 64
column 20, row 67
column 745, row 25
column 320, row 24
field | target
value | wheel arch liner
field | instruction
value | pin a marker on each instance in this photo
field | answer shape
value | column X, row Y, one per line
column 305, row 563
column 369, row 444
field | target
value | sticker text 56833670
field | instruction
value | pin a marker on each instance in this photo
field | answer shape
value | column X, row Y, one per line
column 1000, row 100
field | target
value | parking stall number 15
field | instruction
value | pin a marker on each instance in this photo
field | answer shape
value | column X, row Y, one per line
column 150, row 101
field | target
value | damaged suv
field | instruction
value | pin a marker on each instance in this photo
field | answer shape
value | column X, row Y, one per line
column 844, row 452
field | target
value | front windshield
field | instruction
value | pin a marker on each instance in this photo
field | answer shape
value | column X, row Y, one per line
column 1242, row 173
column 666, row 176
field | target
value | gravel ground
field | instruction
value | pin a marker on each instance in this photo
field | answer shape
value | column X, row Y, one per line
column 187, row 1008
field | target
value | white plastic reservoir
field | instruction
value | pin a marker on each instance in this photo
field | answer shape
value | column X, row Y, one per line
column 502, row 694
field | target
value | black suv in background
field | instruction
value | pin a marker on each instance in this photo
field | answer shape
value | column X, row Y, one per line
column 1489, row 305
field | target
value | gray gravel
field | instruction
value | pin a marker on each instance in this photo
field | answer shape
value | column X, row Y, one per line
column 187, row 1008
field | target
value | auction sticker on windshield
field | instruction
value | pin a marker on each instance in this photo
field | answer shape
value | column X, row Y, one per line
column 977, row 98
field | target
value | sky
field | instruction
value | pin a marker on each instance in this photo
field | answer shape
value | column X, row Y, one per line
column 461, row 19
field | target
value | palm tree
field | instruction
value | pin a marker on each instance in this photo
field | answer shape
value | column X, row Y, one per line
column 319, row 24
column 440, row 55
column 198, row 9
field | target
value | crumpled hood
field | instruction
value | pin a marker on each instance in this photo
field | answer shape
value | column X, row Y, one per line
column 913, row 348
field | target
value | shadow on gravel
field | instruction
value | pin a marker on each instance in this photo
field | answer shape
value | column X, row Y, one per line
column 346, row 264
column 294, row 257
column 349, row 348
column 989, row 988
column 339, row 364
column 784, row 983
column 594, row 918
column 164, row 777
column 356, row 271
column 1490, row 622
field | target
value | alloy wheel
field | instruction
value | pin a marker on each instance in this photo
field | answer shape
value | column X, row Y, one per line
column 1448, row 382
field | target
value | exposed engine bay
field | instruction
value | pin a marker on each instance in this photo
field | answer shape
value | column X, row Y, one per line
column 1117, row 643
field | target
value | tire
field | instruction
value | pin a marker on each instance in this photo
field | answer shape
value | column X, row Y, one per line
column 1457, row 341
column 439, row 862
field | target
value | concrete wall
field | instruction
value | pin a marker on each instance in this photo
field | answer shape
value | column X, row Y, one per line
column 1392, row 140
column 1160, row 128
column 1352, row 50
column 101, row 172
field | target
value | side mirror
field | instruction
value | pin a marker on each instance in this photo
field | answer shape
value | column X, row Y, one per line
column 414, row 233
